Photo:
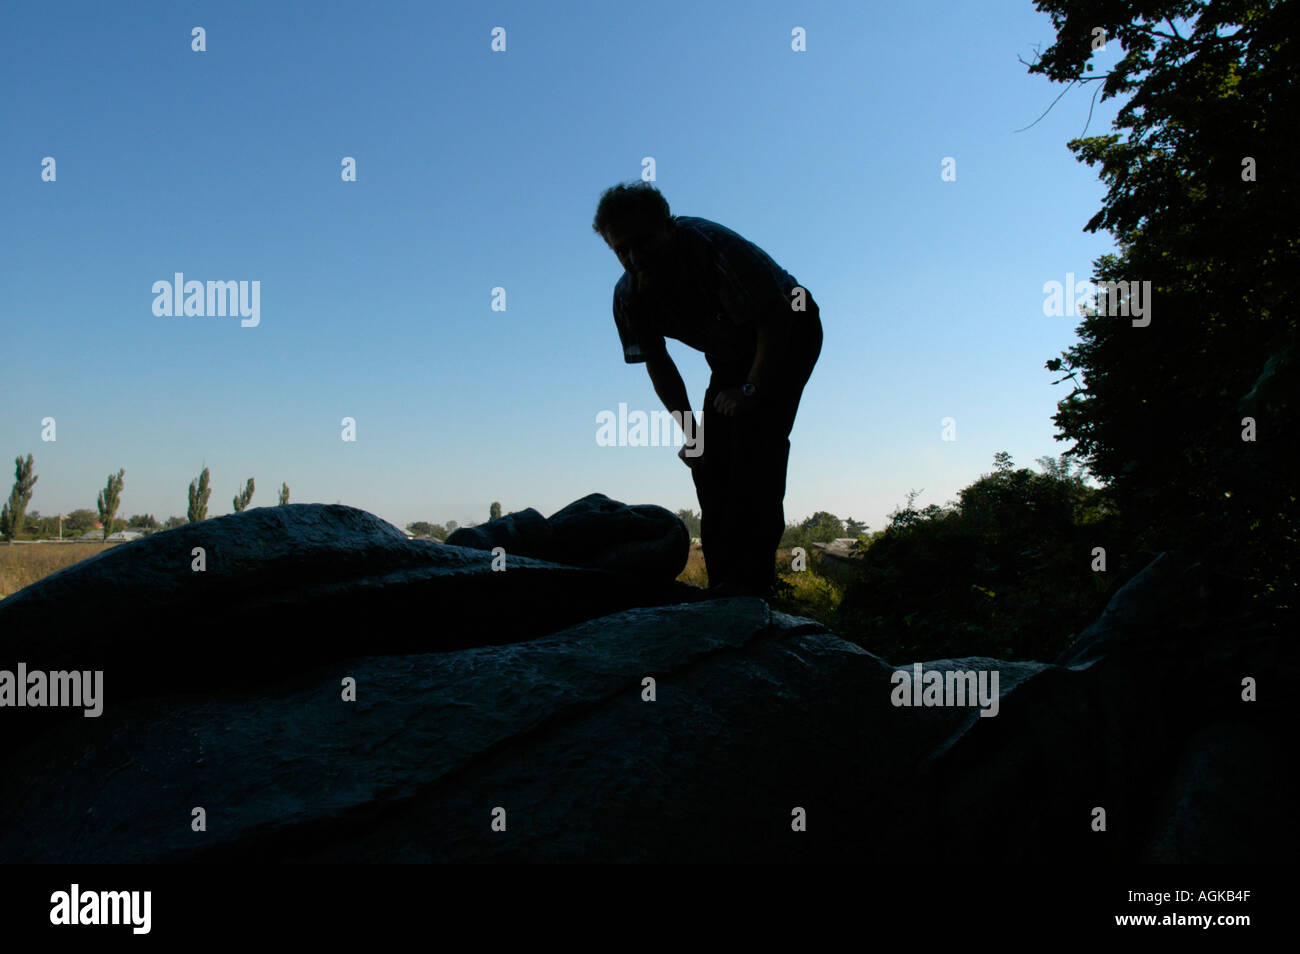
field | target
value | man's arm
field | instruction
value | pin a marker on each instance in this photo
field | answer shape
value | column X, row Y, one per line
column 668, row 384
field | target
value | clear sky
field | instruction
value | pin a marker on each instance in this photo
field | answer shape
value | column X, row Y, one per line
column 478, row 169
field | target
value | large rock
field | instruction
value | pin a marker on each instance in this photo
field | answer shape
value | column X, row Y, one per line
column 284, row 589
column 645, row 540
column 524, row 532
column 757, row 718
column 756, row 714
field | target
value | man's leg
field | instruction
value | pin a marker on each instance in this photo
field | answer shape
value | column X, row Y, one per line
column 713, row 476
column 763, row 455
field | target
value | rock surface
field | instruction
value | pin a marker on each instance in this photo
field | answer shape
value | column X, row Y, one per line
column 283, row 587
column 524, row 692
column 643, row 540
column 756, row 714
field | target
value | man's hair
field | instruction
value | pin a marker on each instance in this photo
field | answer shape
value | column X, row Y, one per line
column 632, row 203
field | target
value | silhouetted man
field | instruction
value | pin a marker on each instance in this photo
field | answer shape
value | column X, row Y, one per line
column 699, row 282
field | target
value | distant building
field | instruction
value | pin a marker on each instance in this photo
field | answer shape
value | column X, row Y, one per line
column 835, row 560
column 122, row 536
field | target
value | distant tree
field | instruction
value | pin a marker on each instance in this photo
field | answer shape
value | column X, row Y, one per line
column 108, row 500
column 49, row 526
column 144, row 521
column 38, row 525
column 854, row 528
column 245, row 497
column 692, row 521
column 13, row 514
column 200, row 491
column 452, row 525
column 494, row 512
column 823, row 527
column 173, row 522
column 426, row 530
column 284, row 494
column 80, row 520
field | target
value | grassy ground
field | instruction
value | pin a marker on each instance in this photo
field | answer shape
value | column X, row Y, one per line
column 800, row 593
column 24, row 563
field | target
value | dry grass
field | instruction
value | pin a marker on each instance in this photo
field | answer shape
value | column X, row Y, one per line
column 806, row 592
column 22, row 564
column 694, row 572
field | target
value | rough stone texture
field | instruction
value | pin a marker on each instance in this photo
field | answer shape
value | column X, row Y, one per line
column 643, row 540
column 524, row 532
column 524, row 690
column 756, row 713
column 1225, row 801
column 285, row 585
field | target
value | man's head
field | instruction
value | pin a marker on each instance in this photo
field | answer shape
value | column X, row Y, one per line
column 634, row 220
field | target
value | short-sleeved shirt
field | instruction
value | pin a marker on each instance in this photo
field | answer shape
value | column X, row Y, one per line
column 724, row 284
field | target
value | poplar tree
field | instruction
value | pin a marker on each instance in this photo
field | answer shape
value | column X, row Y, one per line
column 245, row 497
column 14, row 512
column 108, row 500
column 200, row 491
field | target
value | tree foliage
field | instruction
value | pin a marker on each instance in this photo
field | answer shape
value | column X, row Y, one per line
column 13, row 513
column 427, row 531
column 109, row 499
column 80, row 520
column 284, row 494
column 244, row 497
column 821, row 527
column 200, row 491
column 1006, row 570
column 1202, row 203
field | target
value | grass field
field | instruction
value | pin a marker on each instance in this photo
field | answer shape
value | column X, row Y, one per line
column 806, row 593
column 24, row 563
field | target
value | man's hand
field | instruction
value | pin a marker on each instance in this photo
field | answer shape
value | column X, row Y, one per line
column 732, row 401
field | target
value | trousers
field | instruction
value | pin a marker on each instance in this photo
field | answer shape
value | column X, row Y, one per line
column 740, row 477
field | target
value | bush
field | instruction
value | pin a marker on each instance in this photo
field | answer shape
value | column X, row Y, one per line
column 1006, row 571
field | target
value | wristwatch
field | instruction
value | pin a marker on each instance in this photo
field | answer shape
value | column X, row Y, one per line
column 749, row 390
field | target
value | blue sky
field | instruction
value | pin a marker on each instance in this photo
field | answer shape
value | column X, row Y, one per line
column 478, row 169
